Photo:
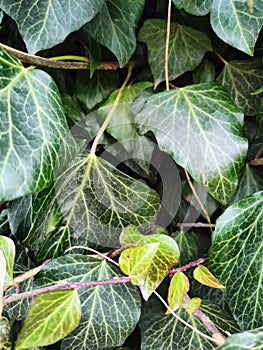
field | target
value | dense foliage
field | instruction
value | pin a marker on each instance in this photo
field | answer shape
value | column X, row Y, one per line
column 131, row 174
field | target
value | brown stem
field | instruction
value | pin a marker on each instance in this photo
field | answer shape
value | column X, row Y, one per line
column 187, row 266
column 63, row 286
column 195, row 224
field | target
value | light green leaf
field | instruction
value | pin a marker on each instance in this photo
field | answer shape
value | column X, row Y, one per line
column 240, row 79
column 148, row 259
column 192, row 305
column 236, row 259
column 51, row 317
column 44, row 24
column 32, row 127
column 252, row 339
column 195, row 7
column 109, row 313
column 187, row 47
column 5, row 343
column 200, row 128
column 114, row 27
column 258, row 91
column 9, row 250
column 91, row 202
column 179, row 286
column 204, row 73
column 250, row 181
column 2, row 280
column 237, row 23
column 204, row 276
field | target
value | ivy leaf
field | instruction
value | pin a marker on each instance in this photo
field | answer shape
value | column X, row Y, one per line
column 148, row 258
column 240, row 79
column 204, row 276
column 204, row 73
column 45, row 24
column 8, row 248
column 179, row 286
column 4, row 334
column 187, row 245
column 237, row 23
column 114, row 27
column 109, row 312
column 192, row 305
column 51, row 317
column 252, row 339
column 32, row 128
column 91, row 202
column 236, row 258
column 195, row 7
column 2, row 279
column 187, row 47
column 201, row 129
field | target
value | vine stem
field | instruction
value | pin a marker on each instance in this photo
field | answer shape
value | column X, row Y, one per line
column 111, row 112
column 187, row 266
column 166, row 60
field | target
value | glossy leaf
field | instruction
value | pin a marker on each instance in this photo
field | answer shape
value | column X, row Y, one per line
column 109, row 313
column 204, row 73
column 240, row 79
column 237, row 23
column 204, row 276
column 9, row 250
column 192, row 305
column 91, row 202
column 195, row 7
column 252, row 339
column 187, row 245
column 236, row 259
column 5, row 342
column 44, row 24
column 51, row 317
column 32, row 127
column 201, row 129
column 187, row 47
column 147, row 257
column 114, row 27
column 179, row 286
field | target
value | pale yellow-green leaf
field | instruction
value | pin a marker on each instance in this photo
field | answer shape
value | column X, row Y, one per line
column 204, row 276
column 8, row 247
column 192, row 305
column 179, row 286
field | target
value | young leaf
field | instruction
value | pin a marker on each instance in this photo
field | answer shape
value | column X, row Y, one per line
column 252, row 339
column 236, row 258
column 49, row 23
column 234, row 23
column 9, row 250
column 181, row 57
column 179, row 286
column 163, row 254
column 109, row 313
column 200, row 128
column 32, row 128
column 204, row 276
column 114, row 27
column 51, row 317
column 192, row 305
column 5, row 343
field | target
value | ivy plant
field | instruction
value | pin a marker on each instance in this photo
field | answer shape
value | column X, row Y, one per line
column 131, row 174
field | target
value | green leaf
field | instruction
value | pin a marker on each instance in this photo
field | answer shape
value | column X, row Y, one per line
column 195, row 7
column 201, row 129
column 148, row 258
column 109, row 312
column 9, row 250
column 51, row 317
column 2, row 279
column 5, row 343
column 91, row 202
column 187, row 245
column 192, row 305
column 204, row 73
column 32, row 128
column 114, row 27
column 179, row 286
column 187, row 47
column 240, row 79
column 252, row 339
column 204, row 276
column 236, row 259
column 237, row 23
column 46, row 24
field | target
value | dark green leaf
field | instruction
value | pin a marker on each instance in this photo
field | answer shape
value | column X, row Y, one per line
column 240, row 79
column 204, row 73
column 18, row 213
column 9, row 250
column 71, row 107
column 2, row 279
column 109, row 312
column 187, row 246
column 237, row 23
column 187, row 47
column 32, row 127
column 5, row 343
column 200, row 128
column 247, row 340
column 44, row 24
column 236, row 259
column 195, row 7
column 114, row 27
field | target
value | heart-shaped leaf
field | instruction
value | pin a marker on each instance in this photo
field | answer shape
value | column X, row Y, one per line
column 179, row 286
column 236, row 259
column 195, row 7
column 204, row 276
column 192, row 305
column 8, row 248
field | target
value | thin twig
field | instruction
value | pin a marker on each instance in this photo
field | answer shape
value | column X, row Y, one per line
column 195, row 224
column 166, row 60
column 187, row 266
